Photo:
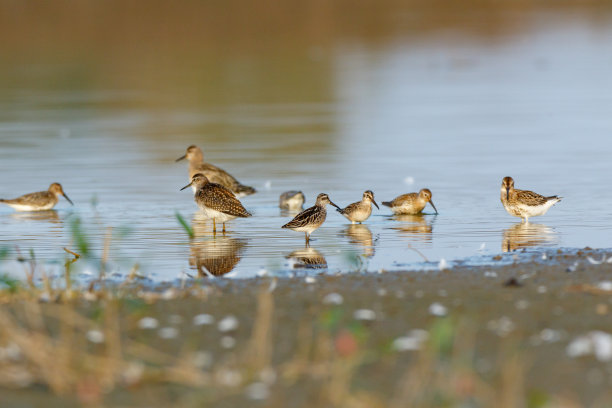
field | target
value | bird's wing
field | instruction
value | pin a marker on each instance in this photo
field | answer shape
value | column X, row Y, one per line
column 304, row 218
column 404, row 199
column 219, row 198
column 349, row 208
column 32, row 198
column 530, row 198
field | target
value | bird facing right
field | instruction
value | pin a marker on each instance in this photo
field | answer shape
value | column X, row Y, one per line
column 39, row 201
column 311, row 218
column 412, row 203
column 524, row 203
column 360, row 210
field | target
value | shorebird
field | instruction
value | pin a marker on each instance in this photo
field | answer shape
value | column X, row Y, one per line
column 291, row 200
column 361, row 210
column 40, row 201
column 307, row 258
column 214, row 174
column 216, row 201
column 524, row 203
column 311, row 218
column 412, row 203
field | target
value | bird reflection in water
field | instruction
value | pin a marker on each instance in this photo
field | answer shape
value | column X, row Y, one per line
column 307, row 258
column 415, row 226
column 48, row 215
column 360, row 234
column 211, row 254
column 526, row 235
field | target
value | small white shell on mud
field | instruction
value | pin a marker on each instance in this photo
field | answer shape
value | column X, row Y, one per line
column 228, row 323
column 310, row 279
column 95, row 336
column 333, row 299
column 257, row 391
column 148, row 323
column 597, row 343
column 438, row 309
column 203, row 319
column 364, row 314
column 168, row 333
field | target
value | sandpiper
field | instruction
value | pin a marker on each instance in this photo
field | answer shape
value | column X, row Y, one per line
column 307, row 258
column 217, row 256
column 216, row 201
column 361, row 210
column 291, row 200
column 524, row 203
column 214, row 174
column 412, row 203
column 311, row 218
column 39, row 201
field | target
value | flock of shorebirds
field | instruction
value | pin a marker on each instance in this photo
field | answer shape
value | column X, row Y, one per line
column 216, row 193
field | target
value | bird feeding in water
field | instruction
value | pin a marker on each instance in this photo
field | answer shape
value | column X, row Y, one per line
column 524, row 203
column 216, row 201
column 39, row 201
column 311, row 218
column 291, row 200
column 411, row 203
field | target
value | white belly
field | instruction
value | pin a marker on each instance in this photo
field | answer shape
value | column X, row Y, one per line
column 21, row 207
column 218, row 216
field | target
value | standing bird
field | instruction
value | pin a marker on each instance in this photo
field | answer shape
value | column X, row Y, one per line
column 291, row 200
column 40, row 201
column 216, row 201
column 215, row 174
column 411, row 204
column 311, row 218
column 361, row 210
column 524, row 203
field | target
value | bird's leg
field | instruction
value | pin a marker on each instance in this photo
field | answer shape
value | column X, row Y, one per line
column 214, row 226
column 307, row 238
column 223, row 228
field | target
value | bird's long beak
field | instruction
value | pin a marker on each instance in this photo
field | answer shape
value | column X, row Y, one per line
column 69, row 200
column 188, row 185
column 334, row 204
column 507, row 193
column 374, row 201
column 181, row 158
column 434, row 207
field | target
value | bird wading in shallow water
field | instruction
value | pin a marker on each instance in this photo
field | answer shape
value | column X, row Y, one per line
column 214, row 174
column 291, row 200
column 311, row 218
column 524, row 203
column 361, row 210
column 39, row 201
column 216, row 201
column 412, row 203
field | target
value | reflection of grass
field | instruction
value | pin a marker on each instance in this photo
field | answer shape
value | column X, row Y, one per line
column 184, row 224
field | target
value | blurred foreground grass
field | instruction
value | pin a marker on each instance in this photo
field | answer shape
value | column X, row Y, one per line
column 454, row 338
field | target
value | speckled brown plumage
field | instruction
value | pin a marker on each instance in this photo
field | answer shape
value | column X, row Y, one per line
column 311, row 218
column 217, row 256
column 219, row 198
column 524, row 203
column 213, row 173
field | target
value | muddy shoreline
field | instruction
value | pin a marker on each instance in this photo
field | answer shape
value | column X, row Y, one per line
column 513, row 335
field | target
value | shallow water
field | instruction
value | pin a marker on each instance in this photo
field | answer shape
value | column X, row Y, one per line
column 454, row 113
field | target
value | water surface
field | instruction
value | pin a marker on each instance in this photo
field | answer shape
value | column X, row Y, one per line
column 451, row 111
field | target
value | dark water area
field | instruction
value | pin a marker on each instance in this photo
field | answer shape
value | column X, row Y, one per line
column 391, row 98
